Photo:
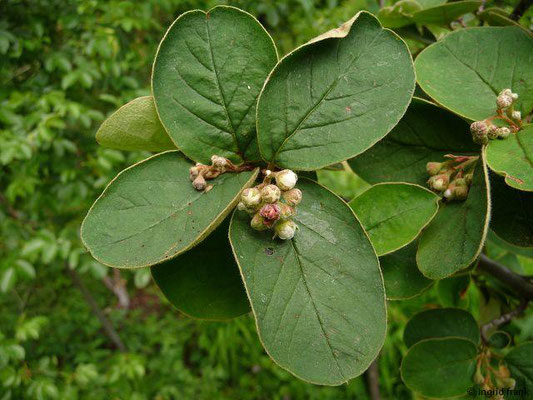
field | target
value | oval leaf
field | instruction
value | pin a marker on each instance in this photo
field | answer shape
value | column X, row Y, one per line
column 393, row 214
column 520, row 362
column 135, row 126
column 512, row 213
column 513, row 158
column 440, row 367
column 207, row 74
column 445, row 13
column 335, row 96
column 452, row 292
column 402, row 278
column 205, row 282
column 402, row 155
column 455, row 237
column 467, row 69
column 318, row 299
column 440, row 323
column 150, row 212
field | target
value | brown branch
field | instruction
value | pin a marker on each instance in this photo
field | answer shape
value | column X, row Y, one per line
column 106, row 324
column 372, row 376
column 502, row 319
column 118, row 286
column 520, row 9
column 522, row 287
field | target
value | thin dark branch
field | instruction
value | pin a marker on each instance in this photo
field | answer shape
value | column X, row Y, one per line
column 502, row 319
column 520, row 9
column 106, row 324
column 372, row 376
column 522, row 287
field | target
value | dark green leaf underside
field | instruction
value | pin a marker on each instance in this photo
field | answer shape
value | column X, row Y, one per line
column 520, row 363
column 318, row 299
column 204, row 282
column 151, row 213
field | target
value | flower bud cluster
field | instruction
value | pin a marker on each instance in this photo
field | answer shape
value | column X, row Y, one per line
column 200, row 173
column 272, row 205
column 492, row 378
column 483, row 131
column 452, row 178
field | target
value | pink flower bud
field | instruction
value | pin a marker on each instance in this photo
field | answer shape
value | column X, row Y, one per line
column 270, row 212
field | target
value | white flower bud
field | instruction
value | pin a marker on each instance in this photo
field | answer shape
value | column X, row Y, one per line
column 504, row 101
column 514, row 96
column 503, row 132
column 194, row 172
column 493, row 132
column 270, row 193
column 293, row 197
column 516, row 115
column 251, row 197
column 241, row 206
column 199, row 183
column 285, row 230
column 286, row 179
column 448, row 193
column 219, row 162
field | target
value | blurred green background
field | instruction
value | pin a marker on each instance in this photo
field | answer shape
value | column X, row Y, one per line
column 65, row 66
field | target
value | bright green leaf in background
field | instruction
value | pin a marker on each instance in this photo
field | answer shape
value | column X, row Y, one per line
column 454, row 238
column 399, row 14
column 513, row 158
column 402, row 278
column 135, row 126
column 440, row 323
column 466, row 70
column 318, row 299
column 445, row 13
column 440, row 367
column 520, row 362
column 335, row 97
column 204, row 282
column 151, row 213
column 393, row 214
column 207, row 75
column 417, row 139
column 512, row 213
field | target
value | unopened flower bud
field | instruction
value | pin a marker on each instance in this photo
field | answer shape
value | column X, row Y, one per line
column 258, row 223
column 270, row 193
column 439, row 182
column 251, row 197
column 293, row 197
column 479, row 128
column 504, row 101
column 469, row 178
column 503, row 132
column 194, row 172
column 285, row 230
column 492, row 132
column 218, row 162
column 478, row 377
column 460, row 192
column 516, row 115
column 241, row 206
column 285, row 211
column 199, row 183
column 286, row 179
column 433, row 168
column 270, row 212
column 460, row 182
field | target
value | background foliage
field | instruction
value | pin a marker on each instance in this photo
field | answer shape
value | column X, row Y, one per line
column 64, row 66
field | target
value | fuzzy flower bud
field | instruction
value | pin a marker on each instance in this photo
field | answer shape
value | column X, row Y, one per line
column 285, row 230
column 285, row 211
column 492, row 132
column 293, row 197
column 270, row 193
column 504, row 100
column 503, row 132
column 516, row 115
column 460, row 192
column 194, row 172
column 460, row 182
column 241, row 206
column 479, row 131
column 218, row 162
column 258, row 223
column 439, row 182
column 433, row 168
column 199, row 183
column 270, row 212
column 251, row 197
column 286, row 179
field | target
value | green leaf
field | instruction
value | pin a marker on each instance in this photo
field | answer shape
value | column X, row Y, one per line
column 430, row 3
column 440, row 323
column 400, row 14
column 403, row 154
column 466, row 70
column 402, row 278
column 495, row 16
column 151, row 213
column 520, row 362
column 440, row 367
column 394, row 214
column 452, row 291
column 9, row 277
column 335, row 96
column 445, row 13
column 512, row 213
column 205, row 282
column 135, row 126
column 318, row 299
column 513, row 158
column 208, row 72
column 522, row 251
column 455, row 237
